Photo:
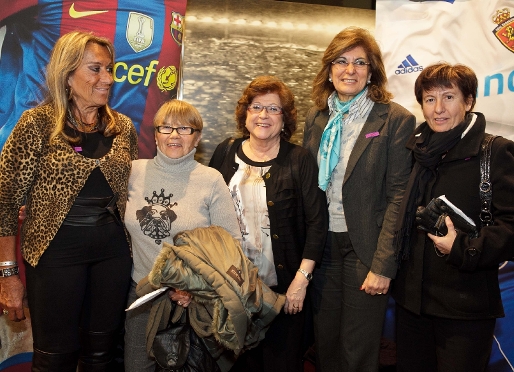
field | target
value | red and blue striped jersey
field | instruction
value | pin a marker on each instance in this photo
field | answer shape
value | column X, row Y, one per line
column 147, row 36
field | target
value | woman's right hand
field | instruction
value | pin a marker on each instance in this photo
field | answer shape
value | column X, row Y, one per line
column 445, row 243
column 12, row 294
column 182, row 298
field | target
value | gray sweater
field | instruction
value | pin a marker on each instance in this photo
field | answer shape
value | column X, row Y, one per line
column 167, row 196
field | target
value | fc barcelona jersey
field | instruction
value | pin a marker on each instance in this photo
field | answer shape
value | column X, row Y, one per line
column 147, row 36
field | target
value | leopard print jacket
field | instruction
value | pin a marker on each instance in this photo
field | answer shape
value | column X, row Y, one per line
column 51, row 175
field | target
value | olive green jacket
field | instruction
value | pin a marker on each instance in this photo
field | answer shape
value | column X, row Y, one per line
column 231, row 304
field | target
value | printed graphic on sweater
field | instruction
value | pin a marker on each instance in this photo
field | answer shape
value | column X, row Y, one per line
column 156, row 218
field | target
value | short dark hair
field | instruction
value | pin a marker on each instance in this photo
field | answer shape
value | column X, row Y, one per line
column 263, row 85
column 445, row 75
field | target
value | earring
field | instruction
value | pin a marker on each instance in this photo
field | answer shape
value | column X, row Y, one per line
column 330, row 79
column 369, row 82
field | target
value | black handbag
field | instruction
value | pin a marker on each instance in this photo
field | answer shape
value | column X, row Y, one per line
column 486, row 188
column 177, row 348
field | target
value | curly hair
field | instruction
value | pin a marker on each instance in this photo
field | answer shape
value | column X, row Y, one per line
column 264, row 85
column 66, row 57
column 445, row 75
column 344, row 41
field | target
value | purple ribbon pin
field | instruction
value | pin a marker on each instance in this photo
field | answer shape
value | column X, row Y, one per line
column 372, row 134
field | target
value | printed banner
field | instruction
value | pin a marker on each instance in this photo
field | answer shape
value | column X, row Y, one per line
column 477, row 33
column 147, row 36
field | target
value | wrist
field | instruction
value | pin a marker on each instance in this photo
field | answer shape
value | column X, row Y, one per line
column 6, row 272
column 307, row 275
column 8, row 264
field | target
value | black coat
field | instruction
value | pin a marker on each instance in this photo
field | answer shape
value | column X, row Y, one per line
column 463, row 284
column 297, row 206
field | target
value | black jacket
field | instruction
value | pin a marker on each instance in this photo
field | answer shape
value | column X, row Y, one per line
column 297, row 207
column 463, row 284
column 374, row 182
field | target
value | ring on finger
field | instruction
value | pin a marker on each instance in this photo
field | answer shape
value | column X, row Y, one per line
column 379, row 293
column 5, row 312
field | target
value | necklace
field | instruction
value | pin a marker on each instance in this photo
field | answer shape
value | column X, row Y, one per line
column 84, row 127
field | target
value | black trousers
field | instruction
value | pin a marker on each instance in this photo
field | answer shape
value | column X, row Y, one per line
column 81, row 281
column 282, row 348
column 433, row 344
column 347, row 321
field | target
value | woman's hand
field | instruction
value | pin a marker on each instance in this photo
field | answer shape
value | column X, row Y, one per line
column 444, row 244
column 375, row 284
column 182, row 298
column 12, row 294
column 22, row 214
column 295, row 294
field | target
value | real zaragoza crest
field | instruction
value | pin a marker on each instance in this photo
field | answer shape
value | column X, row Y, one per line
column 505, row 29
column 177, row 27
column 139, row 32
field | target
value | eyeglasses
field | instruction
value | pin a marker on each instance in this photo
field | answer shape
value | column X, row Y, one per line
column 167, row 129
column 342, row 64
column 256, row 108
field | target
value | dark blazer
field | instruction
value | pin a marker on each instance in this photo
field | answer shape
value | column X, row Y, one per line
column 376, row 176
column 464, row 284
column 297, row 207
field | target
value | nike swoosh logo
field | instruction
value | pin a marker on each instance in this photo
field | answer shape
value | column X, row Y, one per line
column 76, row 14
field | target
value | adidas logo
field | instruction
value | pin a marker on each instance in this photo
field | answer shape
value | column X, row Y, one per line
column 408, row 66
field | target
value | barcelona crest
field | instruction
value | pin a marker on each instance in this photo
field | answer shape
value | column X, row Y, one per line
column 177, row 27
column 505, row 29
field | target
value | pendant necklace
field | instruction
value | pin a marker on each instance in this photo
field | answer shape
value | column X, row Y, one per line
column 84, row 127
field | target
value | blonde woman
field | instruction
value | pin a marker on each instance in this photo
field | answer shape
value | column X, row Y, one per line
column 70, row 159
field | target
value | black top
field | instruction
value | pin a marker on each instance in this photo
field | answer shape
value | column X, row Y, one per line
column 297, row 206
column 94, row 146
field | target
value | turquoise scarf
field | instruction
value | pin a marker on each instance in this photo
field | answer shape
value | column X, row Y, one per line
column 330, row 144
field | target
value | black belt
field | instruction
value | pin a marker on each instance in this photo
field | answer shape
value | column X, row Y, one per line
column 93, row 212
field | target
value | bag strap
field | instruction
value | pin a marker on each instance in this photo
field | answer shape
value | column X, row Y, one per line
column 485, row 186
column 229, row 146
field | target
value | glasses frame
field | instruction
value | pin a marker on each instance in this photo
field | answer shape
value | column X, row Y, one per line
column 339, row 64
column 191, row 130
column 253, row 111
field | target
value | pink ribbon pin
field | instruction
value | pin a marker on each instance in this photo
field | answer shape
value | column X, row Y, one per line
column 372, row 134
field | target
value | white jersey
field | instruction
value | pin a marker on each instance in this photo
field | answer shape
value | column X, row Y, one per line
column 476, row 33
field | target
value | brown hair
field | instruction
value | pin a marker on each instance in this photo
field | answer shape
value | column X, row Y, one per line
column 264, row 85
column 346, row 40
column 180, row 112
column 66, row 57
column 445, row 75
